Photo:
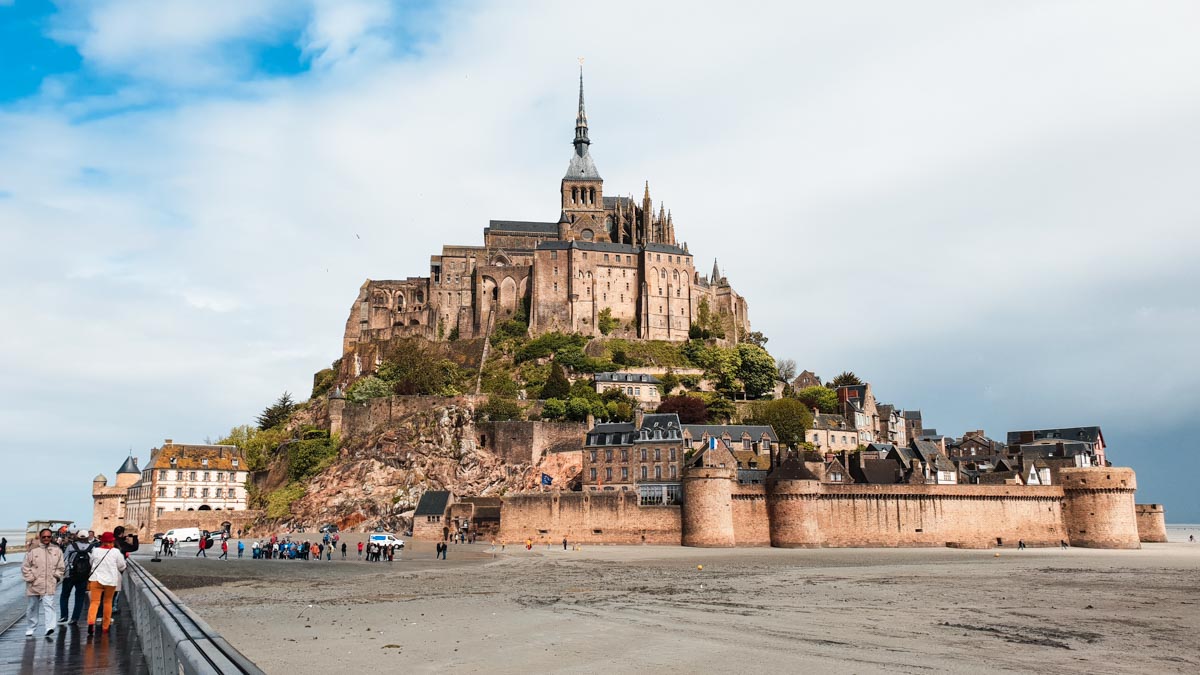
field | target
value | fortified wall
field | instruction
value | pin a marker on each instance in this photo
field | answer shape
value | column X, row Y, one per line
column 1093, row 507
column 1151, row 523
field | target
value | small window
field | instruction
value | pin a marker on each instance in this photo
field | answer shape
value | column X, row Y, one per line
column 204, row 462
column 593, row 474
column 643, row 472
column 608, row 474
column 624, row 473
column 554, row 256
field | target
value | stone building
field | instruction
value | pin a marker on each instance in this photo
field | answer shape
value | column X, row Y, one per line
column 200, row 479
column 611, row 259
column 647, row 456
column 832, row 433
column 109, row 502
column 641, row 387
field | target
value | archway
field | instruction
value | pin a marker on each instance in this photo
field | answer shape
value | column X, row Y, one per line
column 205, row 507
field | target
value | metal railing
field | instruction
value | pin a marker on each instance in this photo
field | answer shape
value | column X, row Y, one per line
column 175, row 640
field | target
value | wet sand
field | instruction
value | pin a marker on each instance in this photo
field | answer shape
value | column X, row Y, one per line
column 650, row 608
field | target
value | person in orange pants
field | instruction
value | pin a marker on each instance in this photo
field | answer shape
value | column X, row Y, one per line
column 107, row 565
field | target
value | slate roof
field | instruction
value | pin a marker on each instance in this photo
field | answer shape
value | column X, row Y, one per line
column 433, row 503
column 626, row 377
column 1088, row 434
column 130, row 466
column 586, row 246
column 486, row 508
column 827, row 422
column 611, row 202
column 877, row 472
column 665, row 248
column 792, row 468
column 611, row 433
column 521, row 227
column 581, row 166
column 911, row 414
column 735, row 430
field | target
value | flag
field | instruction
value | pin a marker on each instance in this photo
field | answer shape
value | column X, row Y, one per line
column 712, row 442
column 546, row 479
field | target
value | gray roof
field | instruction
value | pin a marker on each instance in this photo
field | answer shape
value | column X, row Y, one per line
column 665, row 248
column 626, row 377
column 581, row 167
column 1089, row 434
column 735, row 430
column 611, row 202
column 911, row 414
column 433, row 503
column 587, row 246
column 521, row 226
column 611, row 433
column 130, row 466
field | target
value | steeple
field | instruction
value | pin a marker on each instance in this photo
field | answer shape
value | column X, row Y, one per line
column 716, row 275
column 581, row 167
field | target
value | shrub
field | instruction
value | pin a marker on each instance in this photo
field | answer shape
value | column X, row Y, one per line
column 310, row 457
column 691, row 409
column 605, row 321
column 279, row 502
column 323, row 381
column 554, row 409
column 499, row 409
column 367, row 388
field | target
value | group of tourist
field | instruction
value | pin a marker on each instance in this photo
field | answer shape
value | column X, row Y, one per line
column 82, row 564
column 283, row 548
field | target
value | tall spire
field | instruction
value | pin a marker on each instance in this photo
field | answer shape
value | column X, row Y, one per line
column 581, row 166
column 581, row 128
column 647, row 195
column 716, row 275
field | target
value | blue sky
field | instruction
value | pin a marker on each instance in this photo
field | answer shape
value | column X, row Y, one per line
column 986, row 210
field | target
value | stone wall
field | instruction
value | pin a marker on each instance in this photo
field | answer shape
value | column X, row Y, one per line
column 364, row 419
column 718, row 512
column 1151, row 523
column 205, row 520
column 939, row 515
column 523, row 442
column 587, row 517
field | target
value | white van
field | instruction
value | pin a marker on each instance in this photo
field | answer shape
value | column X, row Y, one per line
column 386, row 540
column 183, row 534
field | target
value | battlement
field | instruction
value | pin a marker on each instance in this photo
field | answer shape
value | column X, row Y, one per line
column 1121, row 479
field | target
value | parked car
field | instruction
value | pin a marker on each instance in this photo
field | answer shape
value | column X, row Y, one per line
column 328, row 527
column 158, row 535
column 386, row 539
column 184, row 534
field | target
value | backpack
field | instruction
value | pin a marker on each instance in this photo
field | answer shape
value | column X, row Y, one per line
column 81, row 564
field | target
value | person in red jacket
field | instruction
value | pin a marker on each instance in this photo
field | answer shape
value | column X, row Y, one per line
column 360, row 550
column 224, row 550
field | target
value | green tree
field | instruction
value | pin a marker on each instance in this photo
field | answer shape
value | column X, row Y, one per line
column 846, row 379
column 756, row 338
column 554, row 409
column 668, row 382
column 307, row 458
column 787, row 416
column 557, row 385
column 578, row 409
column 720, row 410
column 277, row 413
column 605, row 321
column 756, row 370
column 367, row 388
column 821, row 398
column 500, row 409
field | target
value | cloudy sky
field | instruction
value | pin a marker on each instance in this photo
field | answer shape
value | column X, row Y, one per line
column 989, row 210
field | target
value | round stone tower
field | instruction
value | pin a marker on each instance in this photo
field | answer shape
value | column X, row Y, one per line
column 792, row 493
column 707, row 512
column 1098, row 508
column 1151, row 523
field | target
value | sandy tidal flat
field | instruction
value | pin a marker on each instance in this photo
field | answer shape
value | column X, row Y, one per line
column 650, row 609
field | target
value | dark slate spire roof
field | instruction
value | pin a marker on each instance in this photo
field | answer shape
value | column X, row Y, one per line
column 581, row 166
column 130, row 466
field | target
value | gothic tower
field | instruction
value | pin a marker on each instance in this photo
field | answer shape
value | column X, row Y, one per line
column 582, row 187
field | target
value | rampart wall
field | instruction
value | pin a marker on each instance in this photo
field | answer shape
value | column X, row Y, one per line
column 526, row 442
column 587, row 517
column 1090, row 510
column 206, row 520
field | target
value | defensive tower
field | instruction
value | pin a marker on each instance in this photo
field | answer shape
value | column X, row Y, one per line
column 1098, row 507
column 792, row 493
column 707, row 511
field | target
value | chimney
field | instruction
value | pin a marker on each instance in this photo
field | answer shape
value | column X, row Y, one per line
column 816, row 413
column 591, row 421
column 638, row 416
column 168, row 442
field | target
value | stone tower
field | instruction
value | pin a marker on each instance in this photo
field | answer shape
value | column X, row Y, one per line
column 582, row 188
column 707, row 511
column 108, row 503
column 1098, row 508
column 1152, row 523
column 792, row 493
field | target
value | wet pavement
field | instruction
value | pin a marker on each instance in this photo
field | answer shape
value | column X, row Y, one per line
column 69, row 649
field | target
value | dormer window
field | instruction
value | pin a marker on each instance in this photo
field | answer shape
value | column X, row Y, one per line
column 174, row 461
column 204, row 462
column 235, row 463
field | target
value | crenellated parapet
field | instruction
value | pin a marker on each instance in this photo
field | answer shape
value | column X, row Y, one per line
column 1098, row 508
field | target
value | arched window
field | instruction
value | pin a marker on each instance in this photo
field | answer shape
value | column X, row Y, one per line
column 591, row 195
column 574, row 195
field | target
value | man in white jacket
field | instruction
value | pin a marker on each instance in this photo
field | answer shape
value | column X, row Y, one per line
column 42, row 569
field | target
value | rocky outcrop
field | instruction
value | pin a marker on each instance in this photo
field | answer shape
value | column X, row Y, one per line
column 401, row 447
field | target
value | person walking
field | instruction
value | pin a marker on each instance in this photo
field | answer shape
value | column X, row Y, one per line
column 1020, row 544
column 224, row 551
column 343, row 550
column 1062, row 543
column 3, row 549
column 241, row 548
column 360, row 550
column 203, row 546
column 107, row 565
column 41, row 570
column 564, row 543
column 78, row 568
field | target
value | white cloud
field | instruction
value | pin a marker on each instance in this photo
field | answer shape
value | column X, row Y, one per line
column 986, row 209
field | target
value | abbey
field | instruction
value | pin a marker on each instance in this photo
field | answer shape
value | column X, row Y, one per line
column 607, row 260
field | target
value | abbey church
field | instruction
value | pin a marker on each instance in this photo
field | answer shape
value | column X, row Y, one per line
column 603, row 253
